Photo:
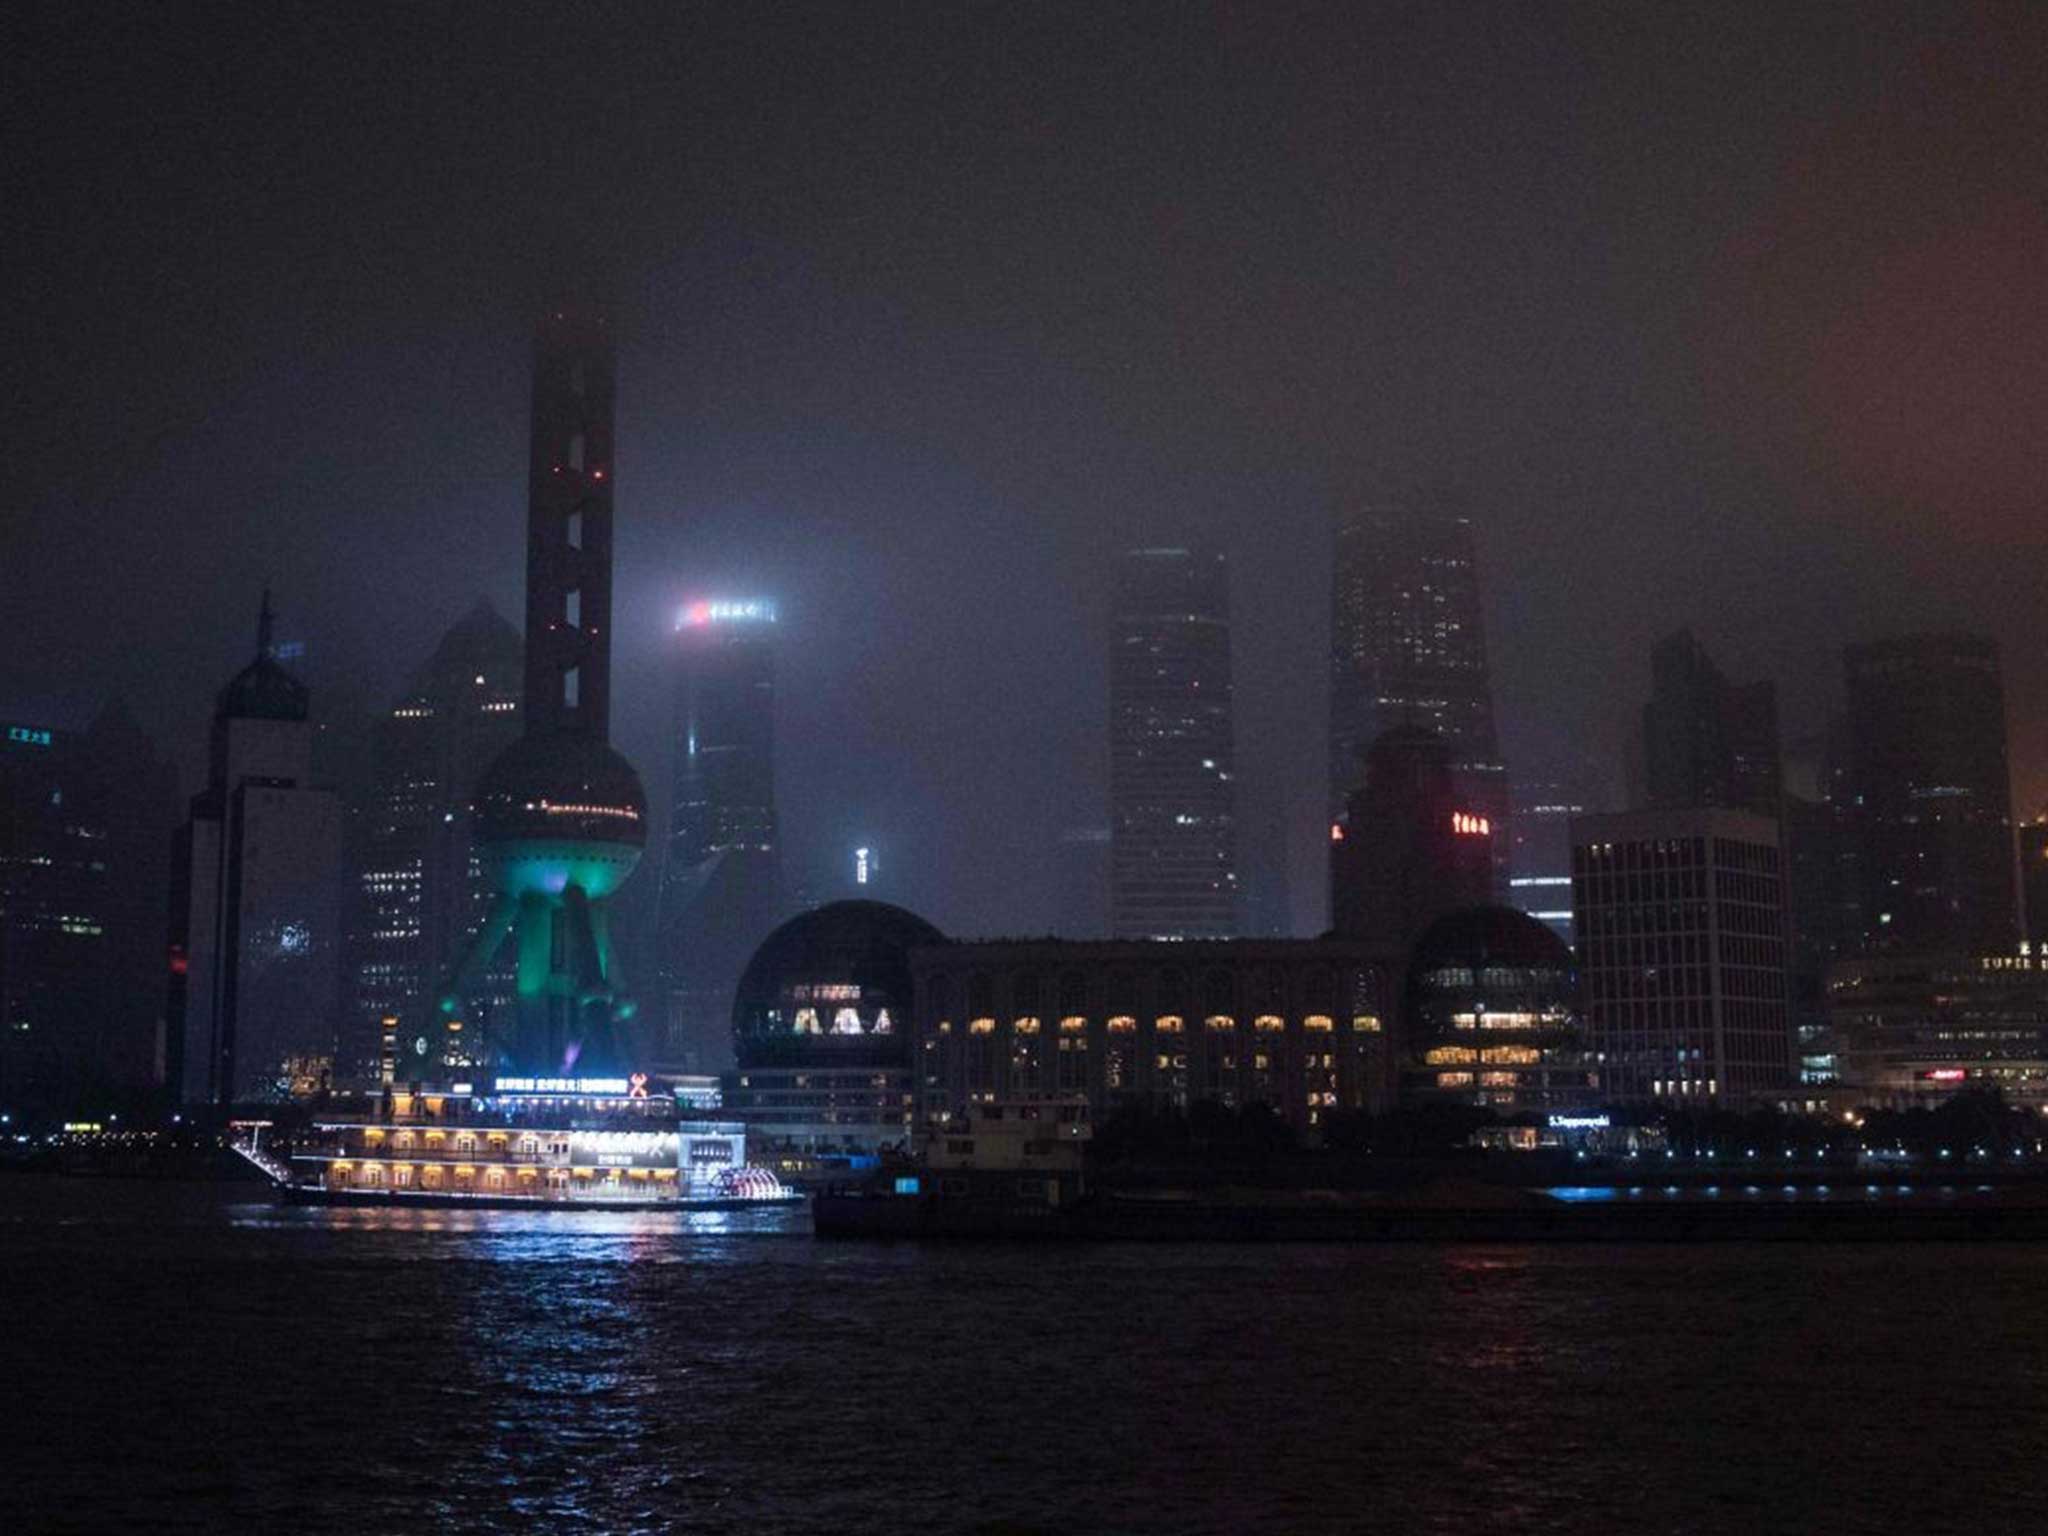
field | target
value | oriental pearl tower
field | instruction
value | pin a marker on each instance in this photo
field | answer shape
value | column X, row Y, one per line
column 561, row 816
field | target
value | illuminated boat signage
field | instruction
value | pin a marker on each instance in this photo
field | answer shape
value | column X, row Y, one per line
column 562, row 1085
column 1578, row 1122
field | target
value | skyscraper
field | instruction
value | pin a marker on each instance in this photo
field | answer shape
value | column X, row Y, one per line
column 721, row 889
column 256, row 902
column 561, row 817
column 1173, row 867
column 85, row 837
column 1932, row 800
column 1408, row 648
column 1707, row 741
column 419, row 892
column 1540, row 861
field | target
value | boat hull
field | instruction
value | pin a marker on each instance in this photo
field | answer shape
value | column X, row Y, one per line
column 304, row 1194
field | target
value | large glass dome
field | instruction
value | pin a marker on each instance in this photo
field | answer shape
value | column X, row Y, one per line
column 831, row 987
column 1492, row 1014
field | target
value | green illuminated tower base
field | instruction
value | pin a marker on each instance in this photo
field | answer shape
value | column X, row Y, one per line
column 561, row 822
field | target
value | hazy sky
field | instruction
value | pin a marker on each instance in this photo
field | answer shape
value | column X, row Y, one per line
column 1727, row 316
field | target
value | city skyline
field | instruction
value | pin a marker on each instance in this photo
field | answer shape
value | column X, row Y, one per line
column 1326, row 714
column 863, row 374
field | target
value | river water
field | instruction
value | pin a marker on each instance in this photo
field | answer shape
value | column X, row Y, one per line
column 185, row 1358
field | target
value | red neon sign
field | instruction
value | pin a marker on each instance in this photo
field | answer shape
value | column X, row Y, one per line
column 1945, row 1075
column 1465, row 824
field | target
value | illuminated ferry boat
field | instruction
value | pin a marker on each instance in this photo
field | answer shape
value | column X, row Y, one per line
column 525, row 1141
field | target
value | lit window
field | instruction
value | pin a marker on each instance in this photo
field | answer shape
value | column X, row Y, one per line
column 572, row 609
column 1221, row 1021
column 1027, row 1026
column 1072, row 1024
column 1319, row 1021
column 1365, row 1023
column 981, row 1026
column 1168, row 1024
column 575, row 530
column 1269, row 1024
column 1122, row 1024
column 572, row 687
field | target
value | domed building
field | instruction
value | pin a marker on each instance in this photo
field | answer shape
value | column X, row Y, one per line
column 1492, row 1017
column 821, row 1021
column 830, row 988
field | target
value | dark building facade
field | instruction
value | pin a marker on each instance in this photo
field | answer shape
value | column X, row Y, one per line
column 1915, row 1029
column 1540, row 856
column 1707, row 741
column 1681, row 924
column 1491, row 1016
column 721, row 888
column 2033, row 841
column 255, row 995
column 85, row 836
column 419, row 892
column 1173, row 837
column 1410, row 847
column 1408, row 648
column 1301, row 1026
column 1931, row 794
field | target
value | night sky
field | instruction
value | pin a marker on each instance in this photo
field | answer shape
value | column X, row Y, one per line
column 1727, row 316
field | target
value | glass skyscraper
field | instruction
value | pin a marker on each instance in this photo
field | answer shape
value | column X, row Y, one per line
column 420, row 892
column 721, row 889
column 1173, row 840
column 1408, row 648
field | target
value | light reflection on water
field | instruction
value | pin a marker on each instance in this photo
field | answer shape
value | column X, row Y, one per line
column 198, row 1364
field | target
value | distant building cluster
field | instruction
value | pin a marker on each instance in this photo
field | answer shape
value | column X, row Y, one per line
column 1829, row 921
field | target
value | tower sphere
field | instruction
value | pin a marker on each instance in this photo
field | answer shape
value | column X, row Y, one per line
column 559, row 810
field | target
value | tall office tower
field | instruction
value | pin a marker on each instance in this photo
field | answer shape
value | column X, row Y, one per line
column 1707, row 741
column 2034, row 881
column 561, row 817
column 419, row 893
column 1173, row 864
column 1933, row 805
column 721, row 887
column 1408, row 849
column 1540, row 859
column 256, row 902
column 1408, row 648
column 85, row 836
column 1681, row 925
